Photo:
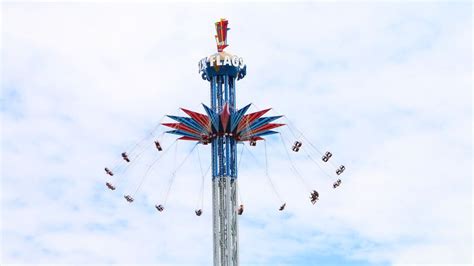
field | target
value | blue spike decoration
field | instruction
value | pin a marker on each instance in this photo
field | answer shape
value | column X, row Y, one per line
column 266, row 133
column 214, row 118
column 237, row 117
column 217, row 128
column 259, row 122
column 182, row 133
column 188, row 122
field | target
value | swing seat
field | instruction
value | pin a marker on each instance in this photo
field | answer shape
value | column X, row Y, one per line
column 107, row 170
column 296, row 147
column 314, row 197
column 282, row 207
column 327, row 156
column 340, row 170
column 110, row 186
column 125, row 157
column 240, row 210
column 128, row 198
column 158, row 146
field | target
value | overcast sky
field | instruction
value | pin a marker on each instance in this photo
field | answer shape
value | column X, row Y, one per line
column 386, row 87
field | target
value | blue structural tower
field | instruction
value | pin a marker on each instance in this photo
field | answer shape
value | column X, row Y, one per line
column 223, row 127
column 224, row 168
column 222, row 76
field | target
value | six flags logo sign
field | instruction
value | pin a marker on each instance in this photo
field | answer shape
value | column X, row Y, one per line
column 216, row 61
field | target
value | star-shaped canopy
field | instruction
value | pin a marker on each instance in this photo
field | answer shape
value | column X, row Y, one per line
column 241, row 126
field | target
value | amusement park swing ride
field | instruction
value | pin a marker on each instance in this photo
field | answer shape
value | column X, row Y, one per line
column 223, row 127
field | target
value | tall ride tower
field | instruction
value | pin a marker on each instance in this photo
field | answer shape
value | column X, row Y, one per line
column 222, row 78
column 223, row 127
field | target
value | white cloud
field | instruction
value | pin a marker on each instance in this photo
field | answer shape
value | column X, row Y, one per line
column 386, row 87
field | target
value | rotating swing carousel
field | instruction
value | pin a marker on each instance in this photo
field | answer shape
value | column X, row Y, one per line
column 224, row 127
column 246, row 129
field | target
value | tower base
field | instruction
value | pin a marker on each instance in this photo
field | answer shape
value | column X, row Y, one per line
column 226, row 244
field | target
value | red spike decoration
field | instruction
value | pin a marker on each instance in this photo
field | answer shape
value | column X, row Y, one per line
column 250, row 118
column 199, row 127
column 221, row 37
column 202, row 119
column 225, row 115
column 181, row 127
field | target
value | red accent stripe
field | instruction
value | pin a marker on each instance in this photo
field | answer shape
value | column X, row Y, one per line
column 225, row 116
column 181, row 127
column 249, row 118
column 202, row 119
column 224, row 31
column 188, row 138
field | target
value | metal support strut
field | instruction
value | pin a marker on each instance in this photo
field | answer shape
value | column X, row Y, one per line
column 224, row 178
